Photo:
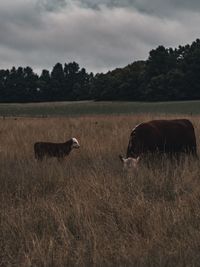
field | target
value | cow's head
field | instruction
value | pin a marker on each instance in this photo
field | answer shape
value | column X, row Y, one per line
column 75, row 143
column 130, row 163
column 134, row 145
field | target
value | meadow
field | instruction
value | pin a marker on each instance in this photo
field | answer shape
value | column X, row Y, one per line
column 87, row 211
column 86, row 108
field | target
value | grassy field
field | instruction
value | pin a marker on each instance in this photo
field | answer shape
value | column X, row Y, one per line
column 98, row 108
column 87, row 211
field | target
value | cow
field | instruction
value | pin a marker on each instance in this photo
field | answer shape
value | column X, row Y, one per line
column 58, row 150
column 170, row 137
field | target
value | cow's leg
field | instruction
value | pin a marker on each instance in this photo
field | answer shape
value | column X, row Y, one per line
column 194, row 152
column 40, row 158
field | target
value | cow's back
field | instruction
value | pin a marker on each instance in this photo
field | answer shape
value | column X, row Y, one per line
column 176, row 135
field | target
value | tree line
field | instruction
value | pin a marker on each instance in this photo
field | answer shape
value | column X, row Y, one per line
column 167, row 74
column 67, row 82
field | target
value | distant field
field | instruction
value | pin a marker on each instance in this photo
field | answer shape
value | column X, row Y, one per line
column 101, row 108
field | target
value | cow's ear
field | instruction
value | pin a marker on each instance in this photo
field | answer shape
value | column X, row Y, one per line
column 137, row 159
column 121, row 158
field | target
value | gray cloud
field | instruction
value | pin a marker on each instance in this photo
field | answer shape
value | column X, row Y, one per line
column 156, row 7
column 42, row 33
column 51, row 5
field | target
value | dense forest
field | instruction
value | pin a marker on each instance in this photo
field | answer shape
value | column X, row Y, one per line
column 168, row 74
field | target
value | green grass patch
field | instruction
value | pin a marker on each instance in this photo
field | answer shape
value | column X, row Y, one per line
column 89, row 108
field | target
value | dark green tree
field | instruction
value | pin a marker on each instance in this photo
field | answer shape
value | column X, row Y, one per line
column 57, row 83
column 4, row 76
column 43, row 85
column 30, row 90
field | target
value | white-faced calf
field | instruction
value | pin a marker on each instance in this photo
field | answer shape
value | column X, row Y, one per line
column 58, row 150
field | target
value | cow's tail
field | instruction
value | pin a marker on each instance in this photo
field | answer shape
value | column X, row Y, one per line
column 37, row 152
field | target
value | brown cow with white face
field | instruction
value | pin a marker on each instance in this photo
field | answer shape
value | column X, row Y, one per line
column 58, row 150
column 171, row 137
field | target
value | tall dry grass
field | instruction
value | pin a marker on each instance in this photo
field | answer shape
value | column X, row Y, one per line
column 86, row 211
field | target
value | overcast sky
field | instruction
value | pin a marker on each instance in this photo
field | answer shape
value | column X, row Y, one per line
column 100, row 35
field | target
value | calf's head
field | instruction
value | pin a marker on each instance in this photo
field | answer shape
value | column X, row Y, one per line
column 75, row 143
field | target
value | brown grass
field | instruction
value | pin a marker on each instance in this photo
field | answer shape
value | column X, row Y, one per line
column 87, row 211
